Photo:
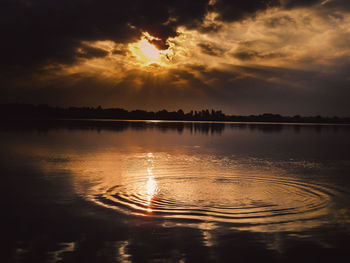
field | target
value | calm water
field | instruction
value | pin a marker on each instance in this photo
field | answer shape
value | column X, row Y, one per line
column 109, row 191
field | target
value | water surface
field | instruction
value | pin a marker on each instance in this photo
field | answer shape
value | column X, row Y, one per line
column 112, row 191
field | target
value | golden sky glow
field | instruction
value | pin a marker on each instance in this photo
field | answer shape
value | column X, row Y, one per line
column 281, row 50
column 261, row 42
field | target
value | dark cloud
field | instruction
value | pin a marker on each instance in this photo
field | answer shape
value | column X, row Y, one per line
column 342, row 5
column 252, row 54
column 279, row 21
column 211, row 49
column 91, row 52
column 210, row 28
column 41, row 32
column 236, row 10
column 246, row 55
column 117, row 51
column 338, row 5
column 258, row 49
column 299, row 3
column 37, row 33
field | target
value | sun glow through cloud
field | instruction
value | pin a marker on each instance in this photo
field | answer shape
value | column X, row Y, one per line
column 148, row 54
column 148, row 50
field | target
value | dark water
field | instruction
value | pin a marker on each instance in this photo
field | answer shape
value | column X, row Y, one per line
column 109, row 191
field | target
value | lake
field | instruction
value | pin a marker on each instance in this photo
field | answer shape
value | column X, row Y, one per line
column 153, row 191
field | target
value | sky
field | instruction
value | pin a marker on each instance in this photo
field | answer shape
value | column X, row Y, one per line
column 242, row 57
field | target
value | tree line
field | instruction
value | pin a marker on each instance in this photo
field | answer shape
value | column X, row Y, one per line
column 44, row 111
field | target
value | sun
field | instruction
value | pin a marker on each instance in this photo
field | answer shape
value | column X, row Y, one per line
column 147, row 53
column 148, row 50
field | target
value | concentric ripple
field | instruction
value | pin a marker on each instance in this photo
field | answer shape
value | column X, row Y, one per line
column 243, row 199
column 193, row 189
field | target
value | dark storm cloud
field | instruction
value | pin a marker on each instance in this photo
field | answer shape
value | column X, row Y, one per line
column 40, row 32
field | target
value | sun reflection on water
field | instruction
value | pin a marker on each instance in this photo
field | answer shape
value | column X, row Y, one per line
column 151, row 185
column 209, row 190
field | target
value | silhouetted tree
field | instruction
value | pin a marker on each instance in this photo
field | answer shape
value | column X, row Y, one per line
column 44, row 111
